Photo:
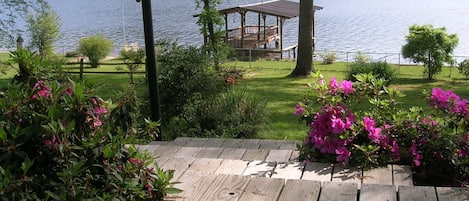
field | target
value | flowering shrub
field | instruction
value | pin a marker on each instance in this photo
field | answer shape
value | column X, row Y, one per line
column 56, row 144
column 358, row 124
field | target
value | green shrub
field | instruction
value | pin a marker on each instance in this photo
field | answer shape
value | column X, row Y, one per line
column 378, row 69
column 464, row 68
column 185, row 75
column 234, row 114
column 361, row 58
column 328, row 58
column 95, row 47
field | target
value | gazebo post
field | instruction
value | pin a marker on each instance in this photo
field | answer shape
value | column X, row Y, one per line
column 226, row 27
column 282, row 20
column 243, row 26
column 259, row 27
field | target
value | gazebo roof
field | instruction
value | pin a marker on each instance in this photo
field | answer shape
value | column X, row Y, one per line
column 279, row 8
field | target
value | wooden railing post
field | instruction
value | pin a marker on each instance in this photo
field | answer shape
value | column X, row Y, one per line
column 81, row 69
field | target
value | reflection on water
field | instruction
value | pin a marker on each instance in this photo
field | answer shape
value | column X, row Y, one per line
column 343, row 25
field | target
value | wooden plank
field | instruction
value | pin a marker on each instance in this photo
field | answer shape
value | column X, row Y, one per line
column 161, row 160
column 146, row 148
column 180, row 141
column 214, row 142
column 259, row 169
column 290, row 170
column 255, row 154
column 165, row 151
column 159, row 143
column 179, row 165
column 338, row 191
column 288, row 144
column 452, row 193
column 187, row 152
column 209, row 152
column 191, row 182
column 379, row 175
column 281, row 156
column 373, row 192
column 232, row 143
column 402, row 175
column 265, row 189
column 347, row 174
column 300, row 190
column 205, row 165
column 268, row 144
column 317, row 171
column 249, row 143
column 416, row 193
column 235, row 167
column 223, row 187
column 196, row 142
column 295, row 156
column 232, row 153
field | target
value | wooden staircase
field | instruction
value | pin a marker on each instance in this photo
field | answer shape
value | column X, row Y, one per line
column 253, row 169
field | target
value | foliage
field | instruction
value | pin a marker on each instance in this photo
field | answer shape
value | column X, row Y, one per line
column 10, row 12
column 436, row 145
column 377, row 69
column 464, row 67
column 328, row 58
column 430, row 46
column 361, row 58
column 133, row 57
column 57, row 142
column 95, row 47
column 211, row 23
column 234, row 114
column 31, row 67
column 184, row 76
column 44, row 30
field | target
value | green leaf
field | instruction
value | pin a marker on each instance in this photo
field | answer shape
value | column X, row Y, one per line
column 172, row 190
column 3, row 135
column 107, row 151
column 27, row 163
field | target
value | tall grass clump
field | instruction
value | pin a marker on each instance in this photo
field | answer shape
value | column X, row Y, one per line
column 378, row 69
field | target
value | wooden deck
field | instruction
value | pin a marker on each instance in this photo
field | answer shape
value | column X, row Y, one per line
column 252, row 169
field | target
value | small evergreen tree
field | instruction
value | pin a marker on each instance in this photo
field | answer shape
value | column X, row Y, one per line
column 431, row 46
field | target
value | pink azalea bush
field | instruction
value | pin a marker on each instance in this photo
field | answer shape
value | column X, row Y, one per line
column 57, row 143
column 358, row 124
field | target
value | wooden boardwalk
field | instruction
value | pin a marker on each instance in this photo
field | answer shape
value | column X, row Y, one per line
column 253, row 169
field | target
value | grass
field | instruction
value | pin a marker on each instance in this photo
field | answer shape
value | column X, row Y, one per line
column 268, row 80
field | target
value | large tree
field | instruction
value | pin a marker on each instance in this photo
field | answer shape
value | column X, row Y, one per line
column 430, row 46
column 10, row 13
column 304, row 62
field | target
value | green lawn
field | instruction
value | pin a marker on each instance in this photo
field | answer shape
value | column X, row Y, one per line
column 268, row 80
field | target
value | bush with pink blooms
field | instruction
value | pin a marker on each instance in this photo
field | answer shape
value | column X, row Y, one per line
column 58, row 141
column 358, row 124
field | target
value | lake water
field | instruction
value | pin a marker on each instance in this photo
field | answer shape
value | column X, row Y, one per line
column 343, row 25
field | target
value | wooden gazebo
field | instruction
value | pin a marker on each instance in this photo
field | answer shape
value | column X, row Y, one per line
column 262, row 37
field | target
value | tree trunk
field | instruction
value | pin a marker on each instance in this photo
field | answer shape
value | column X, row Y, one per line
column 304, row 61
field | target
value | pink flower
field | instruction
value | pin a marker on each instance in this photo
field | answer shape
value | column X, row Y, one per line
column 299, row 109
column 338, row 126
column 343, row 155
column 375, row 135
column 68, row 91
column 97, row 123
column 395, row 152
column 346, row 86
column 135, row 161
column 333, row 86
column 50, row 141
column 369, row 123
column 149, row 189
column 428, row 120
column 41, row 89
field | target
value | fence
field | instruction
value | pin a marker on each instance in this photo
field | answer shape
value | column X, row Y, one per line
column 389, row 57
